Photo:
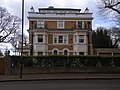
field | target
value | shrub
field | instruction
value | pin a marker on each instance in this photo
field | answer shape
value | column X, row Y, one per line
column 66, row 61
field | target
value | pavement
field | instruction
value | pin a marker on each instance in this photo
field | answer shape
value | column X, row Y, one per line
column 61, row 76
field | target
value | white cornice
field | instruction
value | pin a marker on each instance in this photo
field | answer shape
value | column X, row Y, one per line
column 80, row 15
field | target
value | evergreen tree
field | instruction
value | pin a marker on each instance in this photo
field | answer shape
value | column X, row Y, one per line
column 101, row 39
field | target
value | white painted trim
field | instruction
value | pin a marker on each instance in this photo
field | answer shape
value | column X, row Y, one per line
column 57, row 51
column 62, row 23
column 38, row 15
column 58, row 38
column 58, row 20
column 41, row 21
column 44, row 38
column 64, row 50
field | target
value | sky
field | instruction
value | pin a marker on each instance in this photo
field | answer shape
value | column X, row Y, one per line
column 14, row 7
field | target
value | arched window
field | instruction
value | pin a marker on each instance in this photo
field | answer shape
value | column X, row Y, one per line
column 55, row 52
column 65, row 52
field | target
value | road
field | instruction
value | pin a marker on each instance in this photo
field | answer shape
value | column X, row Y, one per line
column 62, row 85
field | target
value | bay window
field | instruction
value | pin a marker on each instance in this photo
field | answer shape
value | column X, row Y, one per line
column 81, row 38
column 40, row 38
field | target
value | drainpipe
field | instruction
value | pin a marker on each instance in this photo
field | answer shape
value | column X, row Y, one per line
column 31, row 44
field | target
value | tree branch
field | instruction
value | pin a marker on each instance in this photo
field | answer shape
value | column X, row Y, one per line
column 115, row 4
column 111, row 7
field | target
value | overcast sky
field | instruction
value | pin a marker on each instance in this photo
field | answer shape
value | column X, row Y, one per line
column 14, row 7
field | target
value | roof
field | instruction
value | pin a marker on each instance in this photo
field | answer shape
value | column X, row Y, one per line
column 107, row 50
column 52, row 8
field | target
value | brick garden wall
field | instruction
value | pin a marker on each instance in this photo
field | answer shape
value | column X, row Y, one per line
column 2, row 66
column 57, row 65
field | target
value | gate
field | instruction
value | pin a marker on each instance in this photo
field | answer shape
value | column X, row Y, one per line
column 2, row 66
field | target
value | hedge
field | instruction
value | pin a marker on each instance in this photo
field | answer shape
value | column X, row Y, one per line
column 66, row 61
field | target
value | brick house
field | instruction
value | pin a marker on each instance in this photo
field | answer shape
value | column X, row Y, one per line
column 61, row 31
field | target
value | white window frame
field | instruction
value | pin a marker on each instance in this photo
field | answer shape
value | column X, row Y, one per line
column 60, row 39
column 80, row 24
column 67, row 51
column 42, row 38
column 55, row 39
column 54, row 50
column 81, row 37
column 64, row 39
column 60, row 26
column 40, row 24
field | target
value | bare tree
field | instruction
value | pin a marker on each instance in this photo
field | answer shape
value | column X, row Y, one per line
column 109, row 9
column 9, row 24
column 16, row 40
column 1, row 54
column 115, row 36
